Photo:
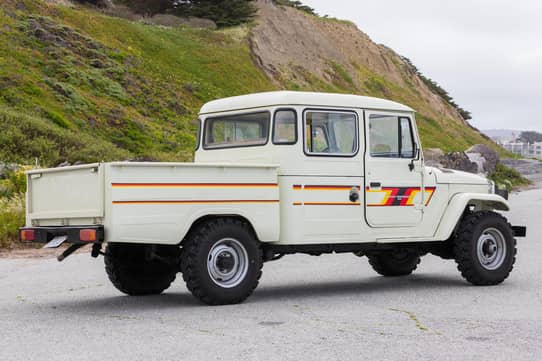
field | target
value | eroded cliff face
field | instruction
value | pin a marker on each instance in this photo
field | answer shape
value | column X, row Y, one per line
column 300, row 50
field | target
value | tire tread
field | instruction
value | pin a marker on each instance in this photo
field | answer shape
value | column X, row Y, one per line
column 191, row 249
column 462, row 248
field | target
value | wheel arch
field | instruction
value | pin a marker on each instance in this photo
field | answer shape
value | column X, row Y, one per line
column 208, row 217
column 459, row 203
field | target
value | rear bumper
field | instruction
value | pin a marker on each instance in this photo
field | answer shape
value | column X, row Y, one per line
column 519, row 231
column 46, row 234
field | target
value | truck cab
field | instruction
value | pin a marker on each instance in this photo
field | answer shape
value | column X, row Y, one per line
column 277, row 173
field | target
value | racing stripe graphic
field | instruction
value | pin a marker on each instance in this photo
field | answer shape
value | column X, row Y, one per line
column 400, row 196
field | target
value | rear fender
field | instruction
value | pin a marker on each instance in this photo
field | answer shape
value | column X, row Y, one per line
column 457, row 205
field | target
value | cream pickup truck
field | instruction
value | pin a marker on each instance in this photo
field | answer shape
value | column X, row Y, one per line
column 274, row 174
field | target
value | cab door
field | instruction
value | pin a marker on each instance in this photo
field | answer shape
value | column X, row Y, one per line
column 393, row 178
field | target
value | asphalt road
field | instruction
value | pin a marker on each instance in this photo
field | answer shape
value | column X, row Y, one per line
column 331, row 307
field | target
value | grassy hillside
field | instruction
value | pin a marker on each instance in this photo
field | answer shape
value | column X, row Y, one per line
column 78, row 85
column 109, row 87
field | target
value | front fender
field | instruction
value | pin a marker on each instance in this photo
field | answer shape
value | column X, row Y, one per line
column 457, row 205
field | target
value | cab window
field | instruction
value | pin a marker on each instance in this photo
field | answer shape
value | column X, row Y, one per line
column 239, row 130
column 285, row 127
column 330, row 133
column 391, row 137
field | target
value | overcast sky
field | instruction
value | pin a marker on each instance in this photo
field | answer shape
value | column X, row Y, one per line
column 486, row 53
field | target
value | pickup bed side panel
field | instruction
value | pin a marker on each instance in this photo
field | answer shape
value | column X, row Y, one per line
column 159, row 202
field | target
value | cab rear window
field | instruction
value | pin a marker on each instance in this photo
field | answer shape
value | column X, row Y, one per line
column 240, row 130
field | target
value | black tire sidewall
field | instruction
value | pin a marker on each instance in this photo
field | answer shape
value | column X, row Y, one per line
column 209, row 287
column 387, row 264
column 497, row 222
column 132, row 274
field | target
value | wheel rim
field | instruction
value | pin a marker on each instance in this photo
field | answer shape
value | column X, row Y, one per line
column 227, row 263
column 491, row 248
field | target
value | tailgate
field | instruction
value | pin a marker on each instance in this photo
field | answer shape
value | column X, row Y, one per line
column 65, row 196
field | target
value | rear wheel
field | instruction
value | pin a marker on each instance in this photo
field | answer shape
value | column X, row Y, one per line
column 141, row 269
column 222, row 262
column 394, row 263
column 485, row 248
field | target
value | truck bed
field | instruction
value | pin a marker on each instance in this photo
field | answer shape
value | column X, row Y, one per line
column 142, row 202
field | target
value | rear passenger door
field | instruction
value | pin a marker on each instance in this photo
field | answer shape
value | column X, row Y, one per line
column 393, row 180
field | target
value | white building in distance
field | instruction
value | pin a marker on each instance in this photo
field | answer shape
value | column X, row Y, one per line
column 527, row 150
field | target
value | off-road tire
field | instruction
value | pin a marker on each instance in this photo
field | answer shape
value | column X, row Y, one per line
column 393, row 263
column 196, row 254
column 466, row 241
column 132, row 273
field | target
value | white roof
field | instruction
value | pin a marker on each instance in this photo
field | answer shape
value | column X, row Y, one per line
column 275, row 98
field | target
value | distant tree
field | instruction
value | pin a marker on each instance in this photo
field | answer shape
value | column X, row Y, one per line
column 150, row 7
column 297, row 5
column 100, row 3
column 530, row 137
column 436, row 88
column 222, row 12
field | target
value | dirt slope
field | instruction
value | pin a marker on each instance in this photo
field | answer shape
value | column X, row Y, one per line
column 299, row 50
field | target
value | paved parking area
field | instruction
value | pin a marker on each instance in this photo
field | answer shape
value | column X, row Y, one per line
column 332, row 307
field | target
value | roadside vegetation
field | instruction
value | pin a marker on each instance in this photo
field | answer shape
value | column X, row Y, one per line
column 12, row 206
column 508, row 178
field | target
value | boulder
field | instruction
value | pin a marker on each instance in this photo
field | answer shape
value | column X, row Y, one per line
column 479, row 160
column 432, row 157
column 459, row 161
column 491, row 157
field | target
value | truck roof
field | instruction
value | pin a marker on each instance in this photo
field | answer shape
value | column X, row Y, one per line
column 275, row 98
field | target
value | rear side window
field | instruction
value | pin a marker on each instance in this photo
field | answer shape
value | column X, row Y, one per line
column 240, row 130
column 330, row 133
column 285, row 127
column 390, row 137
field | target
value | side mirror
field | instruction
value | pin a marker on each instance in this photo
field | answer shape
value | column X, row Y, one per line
column 416, row 157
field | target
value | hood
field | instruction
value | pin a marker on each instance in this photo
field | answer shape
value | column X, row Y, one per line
column 450, row 176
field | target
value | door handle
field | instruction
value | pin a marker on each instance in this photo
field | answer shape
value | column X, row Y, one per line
column 375, row 185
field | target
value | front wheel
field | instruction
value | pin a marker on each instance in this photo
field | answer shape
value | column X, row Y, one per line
column 485, row 248
column 221, row 262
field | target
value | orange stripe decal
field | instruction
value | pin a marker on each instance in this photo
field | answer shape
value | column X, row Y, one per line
column 332, row 203
column 194, row 185
column 210, row 201
column 326, row 203
column 324, row 187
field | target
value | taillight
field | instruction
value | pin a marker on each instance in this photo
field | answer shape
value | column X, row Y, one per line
column 87, row 235
column 28, row 235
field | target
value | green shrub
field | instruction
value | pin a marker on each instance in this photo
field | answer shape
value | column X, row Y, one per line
column 509, row 178
column 25, row 138
column 12, row 216
column 296, row 4
column 12, row 183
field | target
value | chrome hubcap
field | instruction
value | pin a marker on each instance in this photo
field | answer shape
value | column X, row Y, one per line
column 227, row 263
column 491, row 249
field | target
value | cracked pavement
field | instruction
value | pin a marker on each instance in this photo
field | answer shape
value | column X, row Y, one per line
column 333, row 307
